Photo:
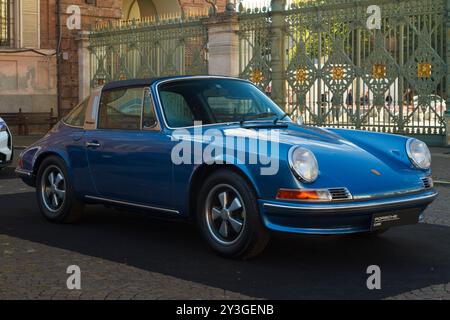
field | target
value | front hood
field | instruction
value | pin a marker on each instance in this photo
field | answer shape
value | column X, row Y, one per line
column 363, row 170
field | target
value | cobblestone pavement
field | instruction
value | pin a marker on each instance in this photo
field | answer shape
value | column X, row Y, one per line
column 132, row 256
column 30, row 270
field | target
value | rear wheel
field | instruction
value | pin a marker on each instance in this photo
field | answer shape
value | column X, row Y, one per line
column 228, row 216
column 55, row 193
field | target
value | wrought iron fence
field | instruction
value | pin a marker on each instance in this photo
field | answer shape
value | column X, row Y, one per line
column 337, row 72
column 149, row 47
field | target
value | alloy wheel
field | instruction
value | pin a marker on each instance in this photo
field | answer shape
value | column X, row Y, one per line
column 225, row 214
column 53, row 188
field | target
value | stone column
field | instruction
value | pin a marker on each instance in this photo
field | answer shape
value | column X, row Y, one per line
column 84, row 65
column 223, row 46
column 278, row 52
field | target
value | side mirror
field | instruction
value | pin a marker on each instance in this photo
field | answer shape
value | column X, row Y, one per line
column 300, row 120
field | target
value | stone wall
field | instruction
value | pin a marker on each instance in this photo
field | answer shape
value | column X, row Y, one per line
column 104, row 10
column 27, row 81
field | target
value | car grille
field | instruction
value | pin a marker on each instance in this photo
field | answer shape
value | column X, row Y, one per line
column 340, row 194
column 427, row 182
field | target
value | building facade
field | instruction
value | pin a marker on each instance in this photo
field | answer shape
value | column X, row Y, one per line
column 39, row 69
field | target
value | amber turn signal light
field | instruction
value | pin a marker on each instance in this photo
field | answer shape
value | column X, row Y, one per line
column 304, row 195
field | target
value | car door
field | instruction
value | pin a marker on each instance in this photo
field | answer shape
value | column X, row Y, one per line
column 129, row 162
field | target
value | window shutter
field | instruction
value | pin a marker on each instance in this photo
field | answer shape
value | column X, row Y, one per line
column 30, row 23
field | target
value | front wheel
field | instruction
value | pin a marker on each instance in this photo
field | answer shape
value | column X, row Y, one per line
column 55, row 194
column 228, row 216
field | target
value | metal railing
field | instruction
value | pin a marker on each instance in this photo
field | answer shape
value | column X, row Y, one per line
column 150, row 47
column 336, row 72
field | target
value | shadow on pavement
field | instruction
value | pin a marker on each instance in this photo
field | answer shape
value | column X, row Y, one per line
column 292, row 267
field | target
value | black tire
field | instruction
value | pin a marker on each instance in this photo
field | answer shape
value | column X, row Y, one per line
column 252, row 237
column 67, row 210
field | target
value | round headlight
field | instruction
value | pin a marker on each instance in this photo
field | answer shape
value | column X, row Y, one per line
column 303, row 163
column 418, row 153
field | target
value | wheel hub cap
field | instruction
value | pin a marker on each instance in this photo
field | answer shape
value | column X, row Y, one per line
column 225, row 214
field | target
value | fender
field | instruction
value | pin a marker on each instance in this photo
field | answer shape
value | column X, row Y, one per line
column 43, row 153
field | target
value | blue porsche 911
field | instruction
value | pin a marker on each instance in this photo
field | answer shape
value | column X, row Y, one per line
column 219, row 152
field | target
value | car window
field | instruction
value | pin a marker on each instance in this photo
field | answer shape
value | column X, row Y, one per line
column 77, row 116
column 177, row 110
column 121, row 109
column 215, row 101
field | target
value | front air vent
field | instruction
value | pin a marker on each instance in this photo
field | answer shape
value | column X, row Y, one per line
column 427, row 182
column 340, row 194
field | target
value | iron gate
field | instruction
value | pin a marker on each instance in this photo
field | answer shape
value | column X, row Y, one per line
column 149, row 47
column 336, row 72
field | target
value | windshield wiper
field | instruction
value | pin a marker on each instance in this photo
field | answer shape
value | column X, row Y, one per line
column 266, row 116
column 280, row 118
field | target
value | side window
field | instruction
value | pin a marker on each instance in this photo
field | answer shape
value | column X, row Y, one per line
column 177, row 111
column 77, row 116
column 121, row 109
column 149, row 120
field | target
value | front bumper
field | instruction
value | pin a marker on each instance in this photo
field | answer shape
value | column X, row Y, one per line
column 338, row 217
column 6, row 149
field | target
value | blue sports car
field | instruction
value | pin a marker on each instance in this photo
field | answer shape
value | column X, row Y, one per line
column 218, row 151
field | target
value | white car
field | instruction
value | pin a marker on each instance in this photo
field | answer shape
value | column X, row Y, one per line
column 6, row 147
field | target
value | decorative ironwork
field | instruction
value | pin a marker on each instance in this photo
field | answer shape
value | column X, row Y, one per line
column 301, row 75
column 424, row 70
column 148, row 48
column 340, row 74
column 254, row 43
column 379, row 71
column 257, row 76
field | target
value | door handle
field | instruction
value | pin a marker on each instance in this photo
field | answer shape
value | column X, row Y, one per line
column 92, row 144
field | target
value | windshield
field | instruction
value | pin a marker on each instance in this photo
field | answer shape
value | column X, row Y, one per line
column 215, row 101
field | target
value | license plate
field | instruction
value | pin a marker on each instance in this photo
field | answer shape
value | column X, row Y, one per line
column 391, row 219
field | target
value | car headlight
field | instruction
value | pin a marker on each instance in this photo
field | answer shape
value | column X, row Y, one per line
column 418, row 153
column 2, row 126
column 303, row 163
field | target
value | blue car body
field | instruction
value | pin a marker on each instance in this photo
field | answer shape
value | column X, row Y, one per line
column 134, row 168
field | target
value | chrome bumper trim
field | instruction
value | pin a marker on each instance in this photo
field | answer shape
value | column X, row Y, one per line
column 22, row 172
column 353, row 205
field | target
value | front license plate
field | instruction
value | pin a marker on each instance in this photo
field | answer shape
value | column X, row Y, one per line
column 397, row 218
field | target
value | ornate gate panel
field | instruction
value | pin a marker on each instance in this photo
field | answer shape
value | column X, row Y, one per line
column 338, row 73
column 254, row 44
column 148, row 48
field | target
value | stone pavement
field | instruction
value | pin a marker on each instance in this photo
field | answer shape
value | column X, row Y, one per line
column 29, row 270
column 126, row 256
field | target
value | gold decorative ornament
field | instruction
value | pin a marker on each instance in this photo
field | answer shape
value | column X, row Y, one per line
column 379, row 71
column 122, row 77
column 300, row 75
column 101, row 82
column 424, row 70
column 338, row 73
column 256, row 76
